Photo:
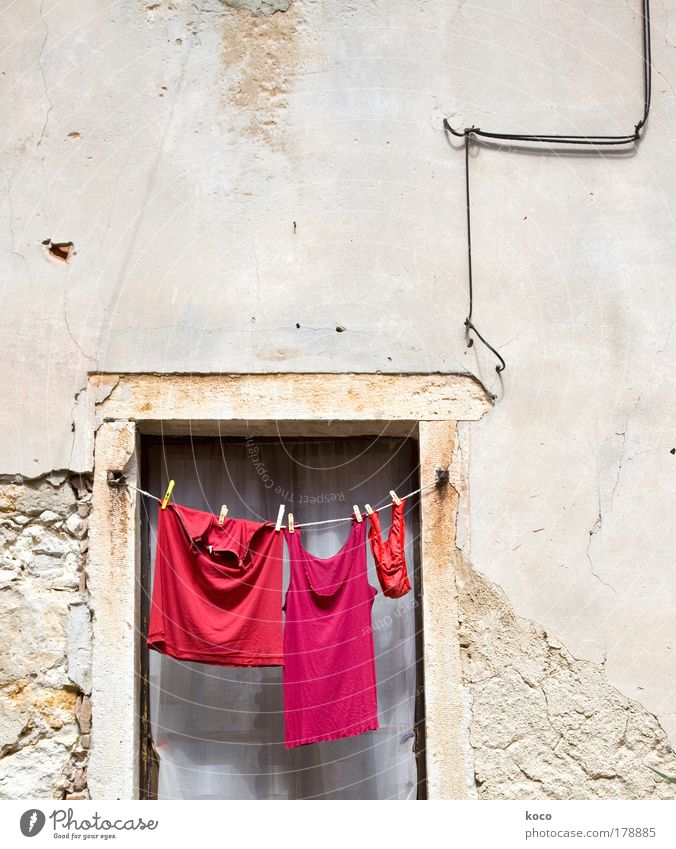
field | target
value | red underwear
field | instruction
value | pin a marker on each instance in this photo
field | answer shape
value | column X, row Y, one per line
column 389, row 555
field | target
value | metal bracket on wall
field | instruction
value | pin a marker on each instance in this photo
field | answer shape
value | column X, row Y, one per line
column 116, row 479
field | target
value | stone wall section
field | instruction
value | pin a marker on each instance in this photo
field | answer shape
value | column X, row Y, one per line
column 46, row 637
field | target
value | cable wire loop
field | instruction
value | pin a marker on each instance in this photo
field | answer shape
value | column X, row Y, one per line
column 595, row 141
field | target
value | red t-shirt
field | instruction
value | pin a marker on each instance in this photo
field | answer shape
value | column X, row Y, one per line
column 217, row 590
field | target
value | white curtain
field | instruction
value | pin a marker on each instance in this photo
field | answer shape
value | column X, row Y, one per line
column 219, row 731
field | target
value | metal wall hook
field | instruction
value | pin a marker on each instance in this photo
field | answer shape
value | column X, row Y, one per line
column 460, row 133
column 470, row 342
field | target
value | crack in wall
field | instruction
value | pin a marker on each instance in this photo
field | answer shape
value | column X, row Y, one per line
column 623, row 435
column 606, row 500
column 666, row 341
column 73, row 423
column 598, row 524
column 44, row 78
column 72, row 338
column 10, row 214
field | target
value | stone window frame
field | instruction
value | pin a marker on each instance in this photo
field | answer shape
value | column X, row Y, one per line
column 121, row 408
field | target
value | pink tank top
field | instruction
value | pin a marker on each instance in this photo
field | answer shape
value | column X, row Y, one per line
column 329, row 662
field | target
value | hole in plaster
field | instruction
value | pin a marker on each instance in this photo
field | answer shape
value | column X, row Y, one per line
column 673, row 451
column 297, row 326
column 340, row 329
column 74, row 135
column 60, row 251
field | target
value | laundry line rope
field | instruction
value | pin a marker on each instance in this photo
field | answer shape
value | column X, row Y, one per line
column 349, row 518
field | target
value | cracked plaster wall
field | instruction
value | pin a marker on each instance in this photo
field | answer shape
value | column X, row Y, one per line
column 543, row 724
column 239, row 180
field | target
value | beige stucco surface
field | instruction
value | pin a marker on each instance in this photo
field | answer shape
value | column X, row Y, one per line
column 271, row 191
column 446, row 746
column 113, row 582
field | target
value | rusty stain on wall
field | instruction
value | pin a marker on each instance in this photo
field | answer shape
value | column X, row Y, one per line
column 286, row 396
column 262, row 55
column 53, row 706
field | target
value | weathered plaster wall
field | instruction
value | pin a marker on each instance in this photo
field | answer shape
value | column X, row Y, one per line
column 573, row 476
column 543, row 724
column 271, row 191
column 540, row 723
column 176, row 145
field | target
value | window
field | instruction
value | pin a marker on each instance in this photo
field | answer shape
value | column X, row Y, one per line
column 218, row 731
column 124, row 410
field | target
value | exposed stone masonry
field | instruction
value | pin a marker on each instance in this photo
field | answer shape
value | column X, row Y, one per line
column 45, row 632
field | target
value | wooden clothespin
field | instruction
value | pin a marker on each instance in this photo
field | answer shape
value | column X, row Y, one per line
column 289, row 523
column 395, row 498
column 280, row 517
column 360, row 518
column 167, row 495
column 369, row 509
column 224, row 513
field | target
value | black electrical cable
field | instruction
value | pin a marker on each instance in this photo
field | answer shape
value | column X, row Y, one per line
column 468, row 320
column 594, row 141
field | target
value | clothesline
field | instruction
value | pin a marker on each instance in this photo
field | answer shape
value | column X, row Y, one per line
column 235, row 612
column 301, row 524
